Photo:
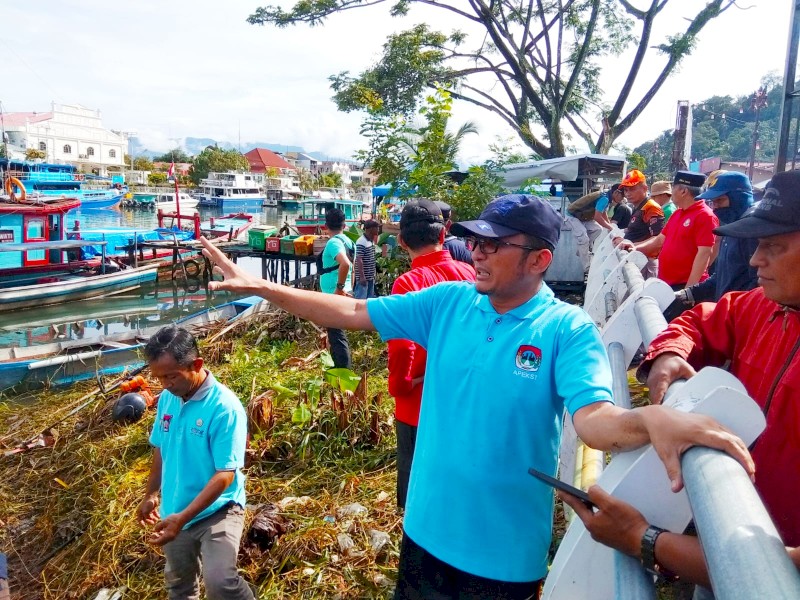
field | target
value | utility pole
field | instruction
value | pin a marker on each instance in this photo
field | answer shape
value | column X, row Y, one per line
column 682, row 142
column 757, row 102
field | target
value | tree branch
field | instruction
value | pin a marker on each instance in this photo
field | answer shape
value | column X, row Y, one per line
column 535, row 144
column 581, row 133
column 710, row 11
column 521, row 75
column 313, row 14
column 580, row 60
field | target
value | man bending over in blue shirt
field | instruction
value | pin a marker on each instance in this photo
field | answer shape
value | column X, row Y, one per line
column 199, row 438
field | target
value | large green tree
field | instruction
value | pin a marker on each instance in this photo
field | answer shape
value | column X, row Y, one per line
column 536, row 63
column 416, row 159
column 330, row 180
column 215, row 159
column 142, row 163
column 177, row 155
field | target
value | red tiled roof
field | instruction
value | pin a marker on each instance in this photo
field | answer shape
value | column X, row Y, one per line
column 20, row 118
column 261, row 158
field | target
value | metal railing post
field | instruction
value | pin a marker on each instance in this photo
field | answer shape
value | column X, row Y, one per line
column 631, row 581
column 650, row 318
column 744, row 553
column 619, row 374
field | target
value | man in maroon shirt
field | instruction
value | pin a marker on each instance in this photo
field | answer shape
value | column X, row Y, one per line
column 422, row 234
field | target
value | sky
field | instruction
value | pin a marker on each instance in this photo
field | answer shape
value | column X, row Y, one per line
column 171, row 69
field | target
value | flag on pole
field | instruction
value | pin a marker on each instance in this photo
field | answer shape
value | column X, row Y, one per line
column 171, row 172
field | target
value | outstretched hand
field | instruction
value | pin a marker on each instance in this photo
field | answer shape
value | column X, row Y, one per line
column 673, row 432
column 236, row 279
column 666, row 369
column 616, row 524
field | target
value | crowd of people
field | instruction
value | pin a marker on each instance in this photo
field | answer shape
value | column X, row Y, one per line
column 675, row 225
column 480, row 403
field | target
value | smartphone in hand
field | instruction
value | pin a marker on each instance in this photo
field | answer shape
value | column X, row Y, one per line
column 564, row 487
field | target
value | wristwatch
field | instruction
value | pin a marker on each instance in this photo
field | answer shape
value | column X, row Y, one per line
column 339, row 286
column 649, row 561
column 685, row 296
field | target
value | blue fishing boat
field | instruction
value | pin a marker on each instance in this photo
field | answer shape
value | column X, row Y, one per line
column 62, row 180
column 69, row 361
column 233, row 226
column 26, row 290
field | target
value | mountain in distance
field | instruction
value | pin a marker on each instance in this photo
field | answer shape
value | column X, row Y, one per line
column 195, row 145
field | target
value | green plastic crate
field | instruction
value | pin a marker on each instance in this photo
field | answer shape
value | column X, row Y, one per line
column 287, row 244
column 256, row 238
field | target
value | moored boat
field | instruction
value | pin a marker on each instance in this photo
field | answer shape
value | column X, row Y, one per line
column 20, row 290
column 312, row 213
column 233, row 190
column 62, row 180
column 66, row 362
column 234, row 226
column 168, row 202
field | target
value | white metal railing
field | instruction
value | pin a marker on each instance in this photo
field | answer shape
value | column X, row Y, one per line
column 744, row 553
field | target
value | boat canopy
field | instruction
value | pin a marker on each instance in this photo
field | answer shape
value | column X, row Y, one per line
column 567, row 168
column 55, row 245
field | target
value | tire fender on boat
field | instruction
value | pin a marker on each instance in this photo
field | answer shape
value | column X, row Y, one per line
column 11, row 182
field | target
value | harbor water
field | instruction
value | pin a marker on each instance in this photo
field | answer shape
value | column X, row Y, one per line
column 159, row 303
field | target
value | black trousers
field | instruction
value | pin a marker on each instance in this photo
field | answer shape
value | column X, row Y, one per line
column 340, row 348
column 406, row 441
column 422, row 576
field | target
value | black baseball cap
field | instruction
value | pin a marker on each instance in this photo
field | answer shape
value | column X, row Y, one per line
column 513, row 214
column 777, row 213
column 422, row 209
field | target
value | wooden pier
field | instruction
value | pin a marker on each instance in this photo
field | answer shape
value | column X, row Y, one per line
column 276, row 266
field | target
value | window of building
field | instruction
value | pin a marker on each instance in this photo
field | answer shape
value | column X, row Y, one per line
column 67, row 149
column 90, row 151
column 112, row 153
column 43, row 146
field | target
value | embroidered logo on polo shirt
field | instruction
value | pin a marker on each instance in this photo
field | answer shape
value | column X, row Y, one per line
column 687, row 222
column 529, row 358
column 197, row 430
column 165, row 420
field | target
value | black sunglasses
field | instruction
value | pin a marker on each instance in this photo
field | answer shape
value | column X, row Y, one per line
column 491, row 245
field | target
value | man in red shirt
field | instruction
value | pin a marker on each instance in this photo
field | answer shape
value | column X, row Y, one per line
column 422, row 234
column 684, row 245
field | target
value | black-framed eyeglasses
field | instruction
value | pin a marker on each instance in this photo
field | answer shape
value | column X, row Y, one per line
column 491, row 245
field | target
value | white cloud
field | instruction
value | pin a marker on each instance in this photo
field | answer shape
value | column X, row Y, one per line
column 171, row 69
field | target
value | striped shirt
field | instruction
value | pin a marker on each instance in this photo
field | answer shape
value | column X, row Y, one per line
column 365, row 250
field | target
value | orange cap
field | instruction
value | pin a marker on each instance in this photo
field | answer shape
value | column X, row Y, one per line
column 634, row 177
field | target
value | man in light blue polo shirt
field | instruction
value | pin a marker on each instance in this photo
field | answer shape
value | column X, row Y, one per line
column 335, row 278
column 199, row 438
column 505, row 358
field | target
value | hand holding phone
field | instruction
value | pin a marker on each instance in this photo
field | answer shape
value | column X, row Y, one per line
column 564, row 487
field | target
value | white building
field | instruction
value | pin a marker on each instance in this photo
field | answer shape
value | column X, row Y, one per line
column 303, row 161
column 70, row 134
column 340, row 167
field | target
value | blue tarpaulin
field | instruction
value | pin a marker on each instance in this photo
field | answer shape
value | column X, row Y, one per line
column 381, row 191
